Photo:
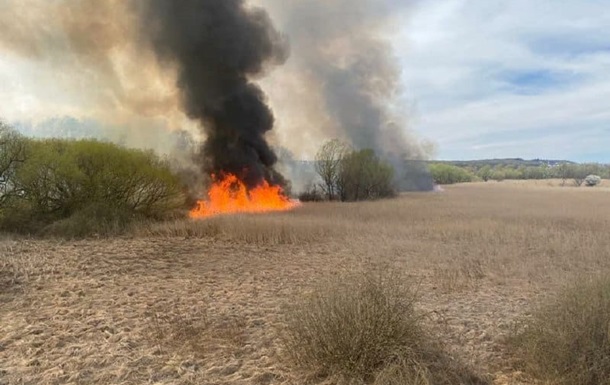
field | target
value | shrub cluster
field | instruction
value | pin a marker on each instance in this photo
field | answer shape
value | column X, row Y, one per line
column 79, row 187
column 353, row 175
column 448, row 174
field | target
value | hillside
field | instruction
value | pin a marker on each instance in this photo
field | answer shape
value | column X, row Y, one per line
column 511, row 162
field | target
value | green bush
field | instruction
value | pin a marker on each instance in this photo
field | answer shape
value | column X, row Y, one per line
column 448, row 174
column 363, row 328
column 363, row 176
column 537, row 173
column 73, row 184
column 485, row 173
column 567, row 340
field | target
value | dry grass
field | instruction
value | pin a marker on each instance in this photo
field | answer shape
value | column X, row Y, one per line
column 470, row 232
column 202, row 302
column 273, row 229
column 567, row 340
column 362, row 327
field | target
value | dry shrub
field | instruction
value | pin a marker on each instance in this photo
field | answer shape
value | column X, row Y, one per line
column 567, row 340
column 179, row 228
column 312, row 193
column 96, row 219
column 363, row 328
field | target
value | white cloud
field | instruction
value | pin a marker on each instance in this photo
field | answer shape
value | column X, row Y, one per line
column 459, row 59
column 462, row 61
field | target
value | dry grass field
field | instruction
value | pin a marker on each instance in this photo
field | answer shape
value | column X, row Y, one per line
column 203, row 302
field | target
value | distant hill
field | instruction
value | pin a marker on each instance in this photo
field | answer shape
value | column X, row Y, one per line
column 510, row 162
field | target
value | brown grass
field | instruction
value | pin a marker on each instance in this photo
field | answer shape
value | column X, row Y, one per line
column 566, row 341
column 362, row 327
column 202, row 302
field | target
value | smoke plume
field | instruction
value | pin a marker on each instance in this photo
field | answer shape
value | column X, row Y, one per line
column 218, row 46
column 343, row 65
column 83, row 60
column 139, row 67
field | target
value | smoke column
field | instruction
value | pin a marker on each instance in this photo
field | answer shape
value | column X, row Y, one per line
column 217, row 47
column 344, row 65
column 140, row 67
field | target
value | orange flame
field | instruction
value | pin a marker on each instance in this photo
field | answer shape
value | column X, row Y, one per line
column 229, row 195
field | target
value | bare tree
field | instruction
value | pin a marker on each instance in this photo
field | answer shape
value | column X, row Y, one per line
column 12, row 154
column 563, row 172
column 328, row 162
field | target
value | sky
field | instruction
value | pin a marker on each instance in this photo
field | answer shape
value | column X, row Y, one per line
column 481, row 79
column 513, row 78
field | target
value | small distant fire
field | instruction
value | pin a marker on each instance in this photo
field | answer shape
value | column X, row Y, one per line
column 229, row 195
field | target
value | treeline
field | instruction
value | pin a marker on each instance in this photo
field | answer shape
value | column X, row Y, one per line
column 569, row 173
column 505, row 162
column 80, row 187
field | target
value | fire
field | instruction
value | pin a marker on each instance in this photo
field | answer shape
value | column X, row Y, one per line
column 229, row 195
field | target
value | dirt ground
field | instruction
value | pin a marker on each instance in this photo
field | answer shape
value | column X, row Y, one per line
column 202, row 303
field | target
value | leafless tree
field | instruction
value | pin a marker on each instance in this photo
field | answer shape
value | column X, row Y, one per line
column 12, row 154
column 328, row 162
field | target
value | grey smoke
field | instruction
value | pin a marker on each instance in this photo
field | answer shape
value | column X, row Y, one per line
column 343, row 50
column 133, row 70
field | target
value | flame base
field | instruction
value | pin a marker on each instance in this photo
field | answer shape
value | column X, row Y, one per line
column 229, row 195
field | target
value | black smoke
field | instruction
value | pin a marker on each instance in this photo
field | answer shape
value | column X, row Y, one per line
column 218, row 47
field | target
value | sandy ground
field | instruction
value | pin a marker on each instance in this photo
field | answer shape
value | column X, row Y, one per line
column 178, row 310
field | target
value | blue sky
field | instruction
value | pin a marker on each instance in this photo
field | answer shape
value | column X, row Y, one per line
column 513, row 78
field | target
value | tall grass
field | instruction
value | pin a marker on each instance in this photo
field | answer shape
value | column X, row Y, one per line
column 497, row 226
column 567, row 339
column 273, row 229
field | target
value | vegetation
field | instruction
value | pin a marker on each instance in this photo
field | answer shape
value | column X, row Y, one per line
column 313, row 193
column 196, row 302
column 12, row 155
column 328, row 166
column 507, row 162
column 516, row 169
column 363, row 176
column 352, row 175
column 363, row 328
column 448, row 174
column 566, row 341
column 76, row 188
